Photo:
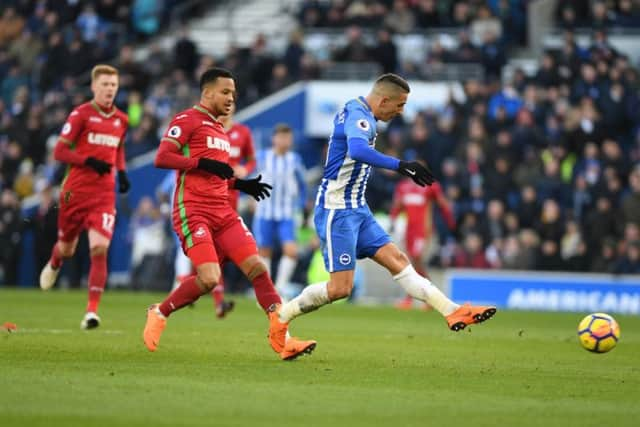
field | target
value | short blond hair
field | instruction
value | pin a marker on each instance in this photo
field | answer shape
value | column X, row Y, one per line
column 101, row 69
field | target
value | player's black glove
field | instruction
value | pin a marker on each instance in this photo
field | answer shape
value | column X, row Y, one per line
column 420, row 174
column 223, row 170
column 98, row 165
column 253, row 187
column 123, row 182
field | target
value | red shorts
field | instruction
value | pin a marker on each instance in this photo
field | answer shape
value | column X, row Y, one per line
column 234, row 195
column 415, row 244
column 80, row 212
column 214, row 235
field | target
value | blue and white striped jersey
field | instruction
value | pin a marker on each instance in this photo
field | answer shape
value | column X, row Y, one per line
column 345, row 180
column 286, row 174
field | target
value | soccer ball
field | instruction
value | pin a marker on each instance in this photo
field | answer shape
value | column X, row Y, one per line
column 598, row 332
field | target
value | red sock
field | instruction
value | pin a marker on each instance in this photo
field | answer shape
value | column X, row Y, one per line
column 56, row 259
column 97, row 280
column 185, row 294
column 265, row 291
column 218, row 293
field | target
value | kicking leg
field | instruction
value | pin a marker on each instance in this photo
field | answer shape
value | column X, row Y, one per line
column 60, row 251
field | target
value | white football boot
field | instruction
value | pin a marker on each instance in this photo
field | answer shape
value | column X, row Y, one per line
column 48, row 277
column 90, row 321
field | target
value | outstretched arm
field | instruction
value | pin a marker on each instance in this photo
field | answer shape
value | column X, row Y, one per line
column 169, row 156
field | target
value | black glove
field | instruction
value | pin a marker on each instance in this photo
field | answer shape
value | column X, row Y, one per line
column 253, row 187
column 223, row 170
column 123, row 182
column 420, row 174
column 98, row 165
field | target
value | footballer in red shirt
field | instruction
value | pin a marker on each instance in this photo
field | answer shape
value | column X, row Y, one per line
column 417, row 203
column 91, row 143
column 210, row 230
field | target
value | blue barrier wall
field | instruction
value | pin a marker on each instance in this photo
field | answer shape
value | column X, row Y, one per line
column 547, row 291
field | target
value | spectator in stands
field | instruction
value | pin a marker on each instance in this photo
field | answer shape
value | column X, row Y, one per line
column 10, row 229
column 355, row 50
column 631, row 202
column 627, row 15
column 629, row 263
column 385, row 52
column 600, row 223
column 605, row 259
column 44, row 224
column 294, row 53
column 400, row 19
column 601, row 17
column 185, row 53
column 471, row 255
column 427, row 15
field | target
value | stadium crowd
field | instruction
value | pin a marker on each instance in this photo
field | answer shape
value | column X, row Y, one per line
column 542, row 170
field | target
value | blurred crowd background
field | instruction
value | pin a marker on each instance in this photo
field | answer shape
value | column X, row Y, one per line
column 542, row 166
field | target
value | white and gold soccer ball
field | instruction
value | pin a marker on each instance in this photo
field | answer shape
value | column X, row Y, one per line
column 598, row 332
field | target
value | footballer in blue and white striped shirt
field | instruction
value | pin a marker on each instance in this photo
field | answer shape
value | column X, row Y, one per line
column 345, row 225
column 274, row 220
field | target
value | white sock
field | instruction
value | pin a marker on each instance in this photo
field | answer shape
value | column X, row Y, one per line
column 286, row 267
column 312, row 298
column 267, row 262
column 422, row 289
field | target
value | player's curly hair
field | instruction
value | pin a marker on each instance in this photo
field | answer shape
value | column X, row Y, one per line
column 212, row 74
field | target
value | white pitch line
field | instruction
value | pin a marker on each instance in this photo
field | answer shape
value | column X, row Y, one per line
column 62, row 331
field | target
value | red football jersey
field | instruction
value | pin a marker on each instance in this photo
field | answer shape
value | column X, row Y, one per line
column 416, row 201
column 199, row 134
column 242, row 151
column 91, row 131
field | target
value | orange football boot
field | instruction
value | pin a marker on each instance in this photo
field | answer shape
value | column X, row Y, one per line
column 277, row 329
column 468, row 314
column 295, row 347
column 153, row 328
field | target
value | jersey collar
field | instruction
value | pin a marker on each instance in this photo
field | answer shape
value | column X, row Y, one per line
column 101, row 110
column 205, row 110
column 365, row 104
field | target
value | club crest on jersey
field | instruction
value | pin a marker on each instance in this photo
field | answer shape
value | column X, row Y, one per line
column 174, row 132
column 345, row 259
column 218, row 143
column 103, row 139
column 117, row 123
column 363, row 124
column 200, row 232
column 234, row 152
column 66, row 129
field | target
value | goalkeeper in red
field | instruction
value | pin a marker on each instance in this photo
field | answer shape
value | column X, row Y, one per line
column 210, row 230
column 91, row 143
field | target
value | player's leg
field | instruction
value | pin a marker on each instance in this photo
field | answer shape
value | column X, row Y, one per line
column 98, row 248
column 220, row 305
column 68, row 232
column 237, row 241
column 414, row 246
column 264, row 235
column 201, row 251
column 289, row 258
column 338, row 234
column 419, row 287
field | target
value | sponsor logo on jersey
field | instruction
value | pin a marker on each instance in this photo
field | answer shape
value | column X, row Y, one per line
column 200, row 232
column 234, row 135
column 174, row 132
column 208, row 123
column 345, row 259
column 117, row 123
column 218, row 143
column 103, row 139
column 95, row 119
column 235, row 152
column 66, row 129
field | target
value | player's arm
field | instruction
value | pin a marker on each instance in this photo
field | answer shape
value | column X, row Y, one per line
column 445, row 208
column 169, row 154
column 396, row 204
column 249, row 154
column 64, row 151
column 121, row 165
column 302, row 185
column 357, row 132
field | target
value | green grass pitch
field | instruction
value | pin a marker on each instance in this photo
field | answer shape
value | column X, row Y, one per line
column 373, row 367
